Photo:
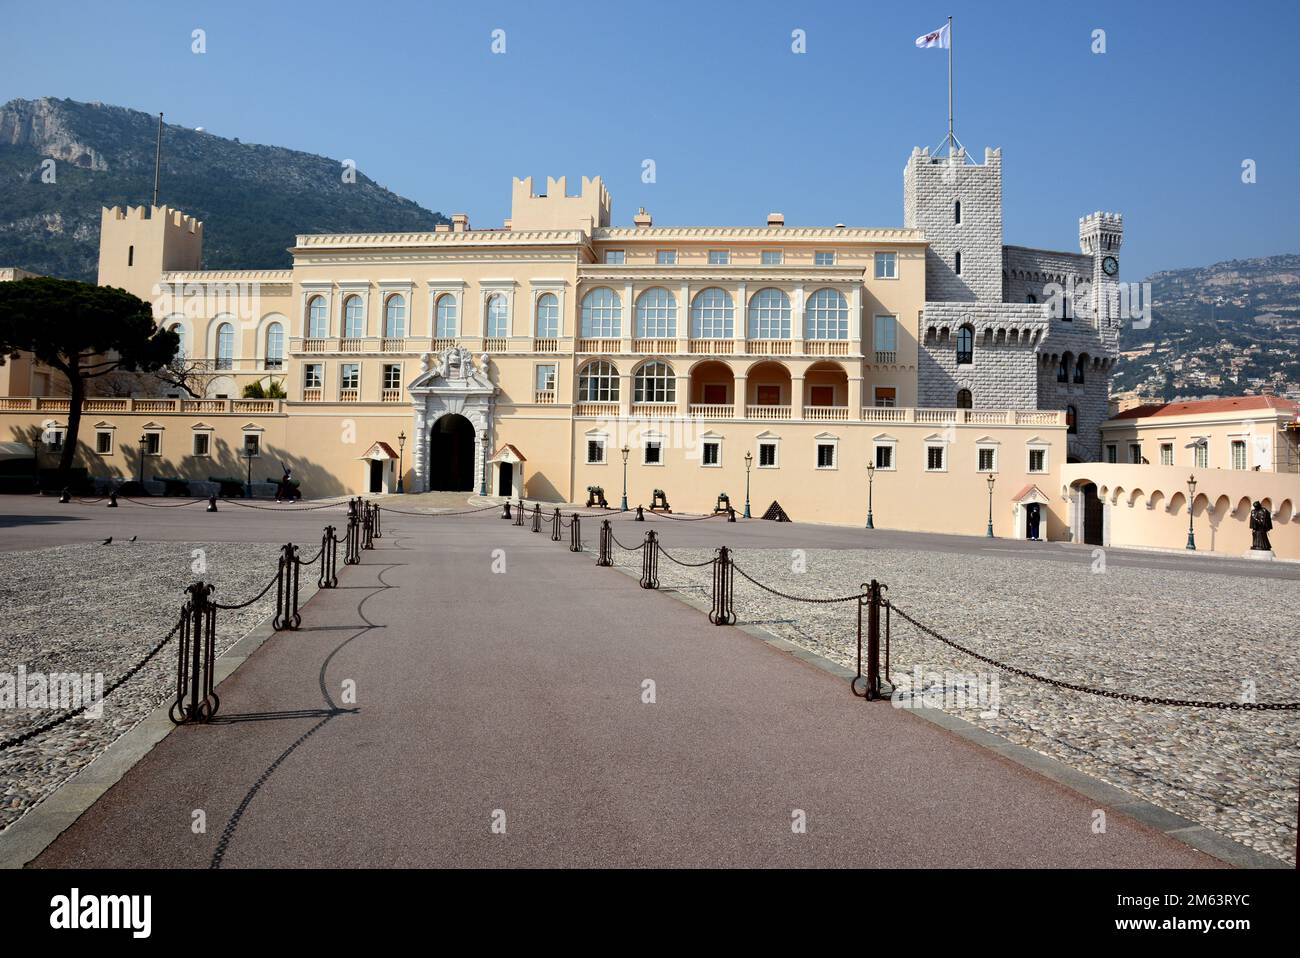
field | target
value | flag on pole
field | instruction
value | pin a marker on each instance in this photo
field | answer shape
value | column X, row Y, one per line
column 939, row 38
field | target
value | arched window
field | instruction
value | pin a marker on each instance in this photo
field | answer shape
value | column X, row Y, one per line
column 179, row 330
column 602, row 314
column 598, row 382
column 712, row 315
column 395, row 317
column 827, row 315
column 446, row 319
column 354, row 318
column 318, row 320
column 498, row 316
column 654, row 382
column 1031, row 298
column 225, row 346
column 964, row 399
column 1071, row 419
column 274, row 346
column 1063, row 370
column 656, row 314
column 965, row 345
column 769, row 315
column 1080, row 368
column 548, row 316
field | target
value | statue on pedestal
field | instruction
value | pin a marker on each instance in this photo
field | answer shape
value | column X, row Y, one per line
column 1260, row 525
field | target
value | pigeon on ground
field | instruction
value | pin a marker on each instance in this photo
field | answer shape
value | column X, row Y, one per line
column 107, row 541
column 132, row 539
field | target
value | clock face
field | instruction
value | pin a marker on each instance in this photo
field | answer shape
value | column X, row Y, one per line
column 1110, row 265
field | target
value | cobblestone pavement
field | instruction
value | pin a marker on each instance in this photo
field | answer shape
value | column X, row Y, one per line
column 99, row 609
column 1146, row 631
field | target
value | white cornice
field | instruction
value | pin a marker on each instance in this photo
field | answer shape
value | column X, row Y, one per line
column 768, row 234
column 307, row 242
column 228, row 276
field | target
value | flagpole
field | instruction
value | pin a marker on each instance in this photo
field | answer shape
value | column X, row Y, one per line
column 952, row 139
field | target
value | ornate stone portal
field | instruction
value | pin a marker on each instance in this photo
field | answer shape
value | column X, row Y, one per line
column 449, row 382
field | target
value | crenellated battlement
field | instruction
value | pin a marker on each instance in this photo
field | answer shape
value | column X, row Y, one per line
column 173, row 218
column 555, row 208
column 1101, row 232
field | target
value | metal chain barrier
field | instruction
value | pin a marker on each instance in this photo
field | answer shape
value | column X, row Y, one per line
column 650, row 561
column 286, row 595
column 689, row 565
column 605, row 547
column 537, row 517
column 556, row 524
column 439, row 515
column 723, row 611
column 575, row 534
column 352, row 548
column 195, row 699
column 519, row 513
column 329, row 560
column 1104, row 693
column 799, row 598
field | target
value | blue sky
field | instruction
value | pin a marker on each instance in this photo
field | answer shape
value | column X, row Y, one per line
column 1157, row 127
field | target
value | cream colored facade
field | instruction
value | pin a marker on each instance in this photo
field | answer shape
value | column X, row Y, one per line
column 795, row 345
column 1245, row 433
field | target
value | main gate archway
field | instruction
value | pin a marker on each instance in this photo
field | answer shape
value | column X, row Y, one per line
column 451, row 454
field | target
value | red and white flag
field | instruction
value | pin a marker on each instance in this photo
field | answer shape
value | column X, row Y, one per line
column 939, row 38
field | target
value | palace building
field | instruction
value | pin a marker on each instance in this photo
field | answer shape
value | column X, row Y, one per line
column 561, row 352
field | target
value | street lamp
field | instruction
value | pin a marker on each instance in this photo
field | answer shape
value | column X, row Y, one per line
column 990, row 529
column 749, row 461
column 401, row 447
column 625, row 450
column 144, row 441
column 482, row 487
column 248, row 459
column 871, row 478
column 1191, row 499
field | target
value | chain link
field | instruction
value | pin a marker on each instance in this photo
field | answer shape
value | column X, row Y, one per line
column 689, row 565
column 797, row 598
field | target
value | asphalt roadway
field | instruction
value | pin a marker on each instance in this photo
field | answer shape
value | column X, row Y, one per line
column 499, row 721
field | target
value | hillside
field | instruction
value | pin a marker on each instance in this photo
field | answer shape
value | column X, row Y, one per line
column 252, row 199
column 1224, row 329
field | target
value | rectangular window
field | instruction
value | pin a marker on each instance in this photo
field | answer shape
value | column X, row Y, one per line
column 666, row 257
column 719, row 257
column 886, row 266
column 821, row 395
column 1166, row 454
column 153, row 444
column 886, row 397
column 1238, row 454
column 312, row 376
column 546, row 377
column 1135, row 452
column 202, row 444
column 392, row 376
column 350, row 376
column 885, row 457
column 1112, row 453
column 252, row 445
column 766, row 455
column 595, row 450
column 934, row 458
column 773, row 257
column 956, row 262
column 711, row 453
column 103, row 443
column 825, row 455
column 987, row 460
column 768, row 395
column 55, row 441
column 615, row 257
column 1037, row 460
column 653, row 453
column 824, row 258
column 1201, row 454
column 886, row 338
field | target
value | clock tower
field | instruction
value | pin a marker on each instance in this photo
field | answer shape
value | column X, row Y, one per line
column 1100, row 236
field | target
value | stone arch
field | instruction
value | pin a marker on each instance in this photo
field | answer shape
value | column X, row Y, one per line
column 1156, row 501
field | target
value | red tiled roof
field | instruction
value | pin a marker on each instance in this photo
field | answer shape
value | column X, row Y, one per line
column 1204, row 406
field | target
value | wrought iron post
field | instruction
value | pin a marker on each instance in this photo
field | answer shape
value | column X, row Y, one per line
column 555, row 525
column 196, row 653
column 537, row 517
column 286, row 590
column 329, row 560
column 640, row 515
column 112, row 502
column 989, row 533
column 605, row 556
column 871, row 481
column 650, row 560
column 749, row 461
column 65, row 496
column 352, row 547
column 1191, row 502
column 376, row 522
column 367, row 526
column 575, row 534
column 723, row 611
column 505, row 511
column 212, row 504
column 519, row 513
column 731, row 513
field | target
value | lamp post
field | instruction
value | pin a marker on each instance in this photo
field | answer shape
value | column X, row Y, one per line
column 248, row 459
column 625, row 450
column 990, row 529
column 749, row 461
column 144, row 441
column 871, row 479
column 1191, row 500
column 401, row 447
column 482, row 487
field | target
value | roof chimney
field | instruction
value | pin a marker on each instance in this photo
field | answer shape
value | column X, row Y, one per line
column 642, row 218
column 775, row 219
column 459, row 222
